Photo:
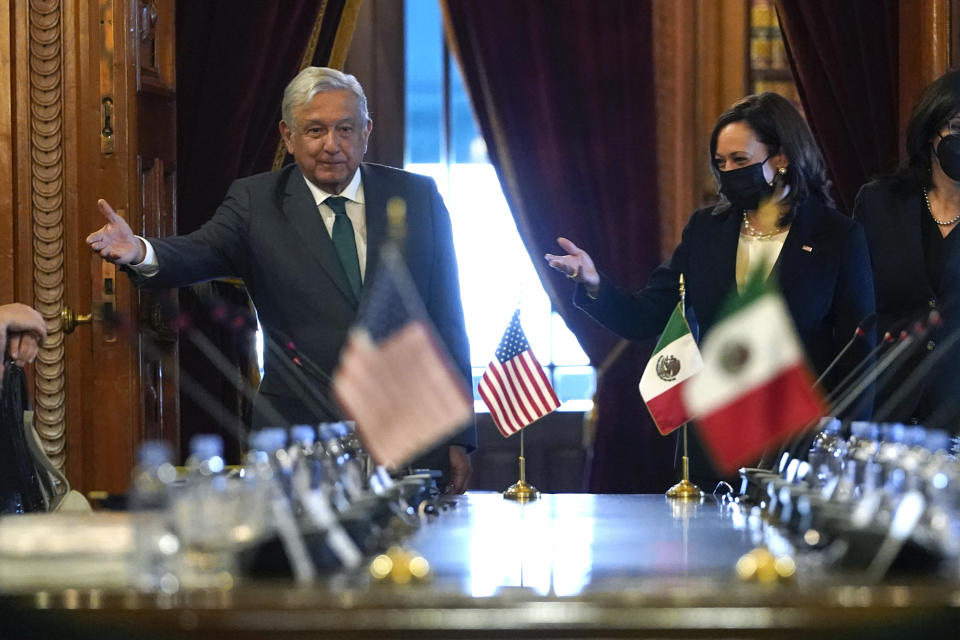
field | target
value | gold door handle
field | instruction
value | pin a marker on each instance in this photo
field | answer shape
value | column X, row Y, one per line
column 69, row 320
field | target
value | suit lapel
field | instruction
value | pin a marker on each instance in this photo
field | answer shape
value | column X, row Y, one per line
column 799, row 247
column 725, row 253
column 908, row 229
column 375, row 206
column 301, row 210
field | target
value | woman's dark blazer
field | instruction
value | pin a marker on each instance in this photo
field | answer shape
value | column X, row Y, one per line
column 904, row 293
column 823, row 271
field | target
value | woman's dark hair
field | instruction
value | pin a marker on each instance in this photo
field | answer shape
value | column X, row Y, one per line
column 938, row 103
column 778, row 124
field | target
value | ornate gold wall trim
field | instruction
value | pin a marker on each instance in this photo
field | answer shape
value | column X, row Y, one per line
column 45, row 61
column 341, row 42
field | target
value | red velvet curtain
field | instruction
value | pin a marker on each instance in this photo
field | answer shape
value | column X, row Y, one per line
column 234, row 58
column 563, row 91
column 844, row 59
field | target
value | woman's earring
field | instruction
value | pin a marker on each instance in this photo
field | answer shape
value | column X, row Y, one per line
column 782, row 171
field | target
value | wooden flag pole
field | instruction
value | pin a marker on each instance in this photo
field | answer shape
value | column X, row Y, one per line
column 684, row 490
column 520, row 490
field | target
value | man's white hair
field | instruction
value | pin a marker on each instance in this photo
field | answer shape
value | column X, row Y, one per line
column 314, row 80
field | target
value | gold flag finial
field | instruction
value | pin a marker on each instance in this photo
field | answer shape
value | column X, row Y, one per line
column 397, row 218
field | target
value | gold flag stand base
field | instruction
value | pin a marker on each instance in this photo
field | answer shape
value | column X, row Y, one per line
column 685, row 490
column 520, row 490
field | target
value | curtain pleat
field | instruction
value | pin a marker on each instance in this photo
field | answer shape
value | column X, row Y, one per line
column 563, row 92
column 844, row 59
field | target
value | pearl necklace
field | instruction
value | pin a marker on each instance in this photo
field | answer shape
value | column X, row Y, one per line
column 750, row 231
column 942, row 223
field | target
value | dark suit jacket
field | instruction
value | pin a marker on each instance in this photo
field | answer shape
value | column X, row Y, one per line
column 828, row 289
column 268, row 232
column 904, row 293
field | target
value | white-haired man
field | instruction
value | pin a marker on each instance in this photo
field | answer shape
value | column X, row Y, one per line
column 304, row 238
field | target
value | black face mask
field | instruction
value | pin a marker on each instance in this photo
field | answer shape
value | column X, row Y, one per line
column 948, row 153
column 745, row 187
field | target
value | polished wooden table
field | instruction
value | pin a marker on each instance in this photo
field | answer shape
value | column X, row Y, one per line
column 567, row 545
column 566, row 566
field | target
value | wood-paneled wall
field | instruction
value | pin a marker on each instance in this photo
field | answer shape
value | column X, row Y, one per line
column 924, row 52
column 700, row 62
column 71, row 75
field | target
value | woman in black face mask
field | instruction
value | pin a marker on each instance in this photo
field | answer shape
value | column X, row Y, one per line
column 910, row 218
column 761, row 150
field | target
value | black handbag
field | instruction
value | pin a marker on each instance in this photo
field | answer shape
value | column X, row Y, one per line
column 21, row 481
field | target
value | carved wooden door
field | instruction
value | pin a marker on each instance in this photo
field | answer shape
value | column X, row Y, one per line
column 105, row 384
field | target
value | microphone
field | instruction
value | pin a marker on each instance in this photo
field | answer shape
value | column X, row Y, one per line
column 885, row 343
column 860, row 379
column 315, row 401
column 199, row 394
column 223, row 365
column 918, row 376
column 865, row 325
column 301, row 360
column 795, row 446
column 891, row 362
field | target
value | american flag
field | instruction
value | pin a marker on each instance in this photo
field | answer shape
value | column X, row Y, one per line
column 395, row 379
column 514, row 386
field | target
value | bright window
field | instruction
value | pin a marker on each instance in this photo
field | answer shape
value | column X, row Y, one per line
column 496, row 275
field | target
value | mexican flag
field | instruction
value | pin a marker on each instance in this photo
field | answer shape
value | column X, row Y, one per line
column 674, row 361
column 755, row 389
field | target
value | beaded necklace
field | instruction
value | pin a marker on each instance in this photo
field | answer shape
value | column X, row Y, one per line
column 752, row 232
column 926, row 199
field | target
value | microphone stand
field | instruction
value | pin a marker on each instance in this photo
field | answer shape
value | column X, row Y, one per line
column 892, row 360
column 312, row 399
column 865, row 325
column 228, row 371
column 796, row 447
column 857, row 372
column 301, row 360
column 859, row 380
column 918, row 375
column 301, row 366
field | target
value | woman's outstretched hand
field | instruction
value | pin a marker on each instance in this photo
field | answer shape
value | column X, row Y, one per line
column 576, row 265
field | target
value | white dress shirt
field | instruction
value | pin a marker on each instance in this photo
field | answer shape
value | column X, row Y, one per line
column 356, row 211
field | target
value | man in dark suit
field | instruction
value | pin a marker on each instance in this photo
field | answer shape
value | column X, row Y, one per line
column 305, row 238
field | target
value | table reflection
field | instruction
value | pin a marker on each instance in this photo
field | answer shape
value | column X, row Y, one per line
column 563, row 545
column 529, row 545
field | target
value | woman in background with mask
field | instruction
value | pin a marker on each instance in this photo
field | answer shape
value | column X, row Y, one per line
column 761, row 150
column 910, row 219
